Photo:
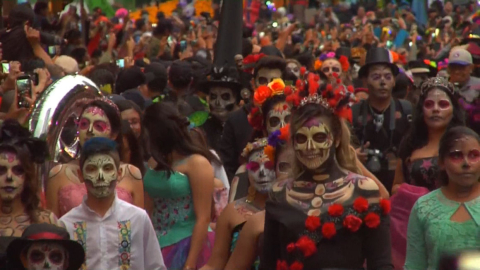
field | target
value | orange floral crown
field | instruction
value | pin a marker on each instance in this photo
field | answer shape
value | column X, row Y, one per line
column 331, row 55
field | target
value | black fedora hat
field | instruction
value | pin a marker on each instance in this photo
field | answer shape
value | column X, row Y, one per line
column 227, row 77
column 45, row 233
column 377, row 56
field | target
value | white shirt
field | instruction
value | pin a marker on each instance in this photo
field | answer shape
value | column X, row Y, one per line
column 124, row 236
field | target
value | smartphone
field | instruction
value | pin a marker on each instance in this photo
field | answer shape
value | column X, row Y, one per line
column 24, row 89
column 183, row 45
column 6, row 68
column 121, row 63
column 52, row 50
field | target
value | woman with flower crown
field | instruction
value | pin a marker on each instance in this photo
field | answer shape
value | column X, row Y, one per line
column 327, row 216
column 335, row 66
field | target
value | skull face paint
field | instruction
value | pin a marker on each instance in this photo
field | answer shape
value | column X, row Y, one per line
column 100, row 174
column 12, row 176
column 41, row 256
column 93, row 123
column 261, row 171
column 278, row 117
column 294, row 68
column 312, row 143
column 222, row 102
column 266, row 76
column 437, row 109
column 331, row 66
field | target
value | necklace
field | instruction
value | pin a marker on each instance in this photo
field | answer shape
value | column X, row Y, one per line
column 378, row 119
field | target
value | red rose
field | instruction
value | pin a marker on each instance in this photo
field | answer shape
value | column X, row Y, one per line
column 282, row 265
column 296, row 266
column 303, row 70
column 385, row 205
column 335, row 210
column 372, row 220
column 261, row 94
column 312, row 223
column 360, row 205
column 306, row 245
column 352, row 222
column 290, row 247
column 329, row 230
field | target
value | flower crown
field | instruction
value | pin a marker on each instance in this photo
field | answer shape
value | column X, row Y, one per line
column 262, row 94
column 437, row 82
column 260, row 143
column 336, row 99
column 324, row 56
column 269, row 144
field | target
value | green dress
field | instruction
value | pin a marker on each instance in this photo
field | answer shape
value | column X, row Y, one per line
column 431, row 233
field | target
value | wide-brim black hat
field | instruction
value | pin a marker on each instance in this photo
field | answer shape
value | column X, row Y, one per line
column 227, row 77
column 377, row 56
column 235, row 86
column 45, row 233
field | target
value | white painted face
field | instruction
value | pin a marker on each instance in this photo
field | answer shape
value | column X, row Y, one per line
column 312, row 143
column 43, row 256
column 222, row 101
column 261, row 171
column 331, row 66
column 93, row 123
column 294, row 68
column 266, row 76
column 100, row 174
column 278, row 117
column 12, row 176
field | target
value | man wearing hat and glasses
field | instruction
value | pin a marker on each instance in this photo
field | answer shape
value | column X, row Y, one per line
column 45, row 246
column 380, row 120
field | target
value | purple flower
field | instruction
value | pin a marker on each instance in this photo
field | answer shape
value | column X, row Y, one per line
column 273, row 139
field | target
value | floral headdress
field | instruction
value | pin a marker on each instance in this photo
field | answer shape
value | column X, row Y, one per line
column 263, row 93
column 269, row 144
column 258, row 144
column 250, row 61
column 324, row 56
column 439, row 82
column 337, row 99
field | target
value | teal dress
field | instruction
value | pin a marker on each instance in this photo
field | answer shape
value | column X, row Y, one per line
column 173, row 217
column 431, row 233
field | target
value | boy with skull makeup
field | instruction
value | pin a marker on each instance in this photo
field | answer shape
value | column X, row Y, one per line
column 129, row 240
column 45, row 246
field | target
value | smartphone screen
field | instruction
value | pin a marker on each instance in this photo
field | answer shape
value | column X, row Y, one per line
column 24, row 89
column 121, row 63
column 183, row 45
column 52, row 50
column 5, row 68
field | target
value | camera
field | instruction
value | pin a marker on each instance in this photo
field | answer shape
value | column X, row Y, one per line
column 374, row 157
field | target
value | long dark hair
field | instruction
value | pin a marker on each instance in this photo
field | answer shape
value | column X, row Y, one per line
column 135, row 157
column 417, row 137
column 168, row 132
column 124, row 105
column 448, row 141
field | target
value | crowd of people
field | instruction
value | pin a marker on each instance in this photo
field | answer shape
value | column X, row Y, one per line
column 255, row 137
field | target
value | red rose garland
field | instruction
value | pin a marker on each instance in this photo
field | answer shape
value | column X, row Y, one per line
column 312, row 223
column 335, row 210
column 372, row 220
column 360, row 205
column 329, row 230
column 352, row 223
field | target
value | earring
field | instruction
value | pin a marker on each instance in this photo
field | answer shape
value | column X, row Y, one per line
column 251, row 194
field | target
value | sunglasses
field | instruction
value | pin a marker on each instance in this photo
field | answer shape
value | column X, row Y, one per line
column 332, row 69
column 442, row 104
column 98, row 125
column 457, row 156
column 254, row 166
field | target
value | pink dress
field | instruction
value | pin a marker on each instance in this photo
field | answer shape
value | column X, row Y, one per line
column 71, row 196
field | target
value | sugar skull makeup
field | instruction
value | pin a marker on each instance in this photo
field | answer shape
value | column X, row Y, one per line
column 12, row 176
column 100, row 174
column 261, row 171
column 93, row 123
column 42, row 256
column 222, row 101
column 266, row 76
column 331, row 66
column 294, row 68
column 462, row 162
column 437, row 109
column 312, row 143
column 278, row 117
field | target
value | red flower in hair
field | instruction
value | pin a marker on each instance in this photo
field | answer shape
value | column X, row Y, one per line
column 285, row 133
column 329, row 87
column 303, row 70
column 252, row 58
column 335, row 75
column 345, row 113
column 329, row 230
column 335, row 210
column 352, row 222
column 282, row 265
column 350, row 89
column 293, row 99
column 312, row 223
column 385, row 205
column 372, row 220
column 287, row 91
column 296, row 266
column 306, row 246
column 344, row 62
column 261, row 94
column 255, row 119
column 360, row 205
column 291, row 247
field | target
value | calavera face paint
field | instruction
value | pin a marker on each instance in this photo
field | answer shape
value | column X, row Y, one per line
column 222, row 102
column 312, row 143
column 278, row 117
column 12, row 176
column 93, row 123
column 266, row 76
column 42, row 256
column 294, row 68
column 100, row 175
column 261, row 171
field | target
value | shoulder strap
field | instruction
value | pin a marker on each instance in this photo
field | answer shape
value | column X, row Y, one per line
column 406, row 108
column 356, row 110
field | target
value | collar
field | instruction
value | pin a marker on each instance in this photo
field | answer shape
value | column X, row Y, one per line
column 110, row 211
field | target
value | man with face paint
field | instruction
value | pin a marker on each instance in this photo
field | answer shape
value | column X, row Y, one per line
column 102, row 216
column 45, row 246
column 380, row 121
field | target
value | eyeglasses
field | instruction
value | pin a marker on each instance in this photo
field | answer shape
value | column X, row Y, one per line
column 331, row 69
column 442, row 104
column 457, row 156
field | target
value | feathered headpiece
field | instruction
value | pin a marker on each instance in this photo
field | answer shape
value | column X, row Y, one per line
column 337, row 99
column 14, row 136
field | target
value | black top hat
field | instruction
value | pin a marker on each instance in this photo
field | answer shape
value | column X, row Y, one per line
column 377, row 56
column 223, row 77
column 45, row 233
